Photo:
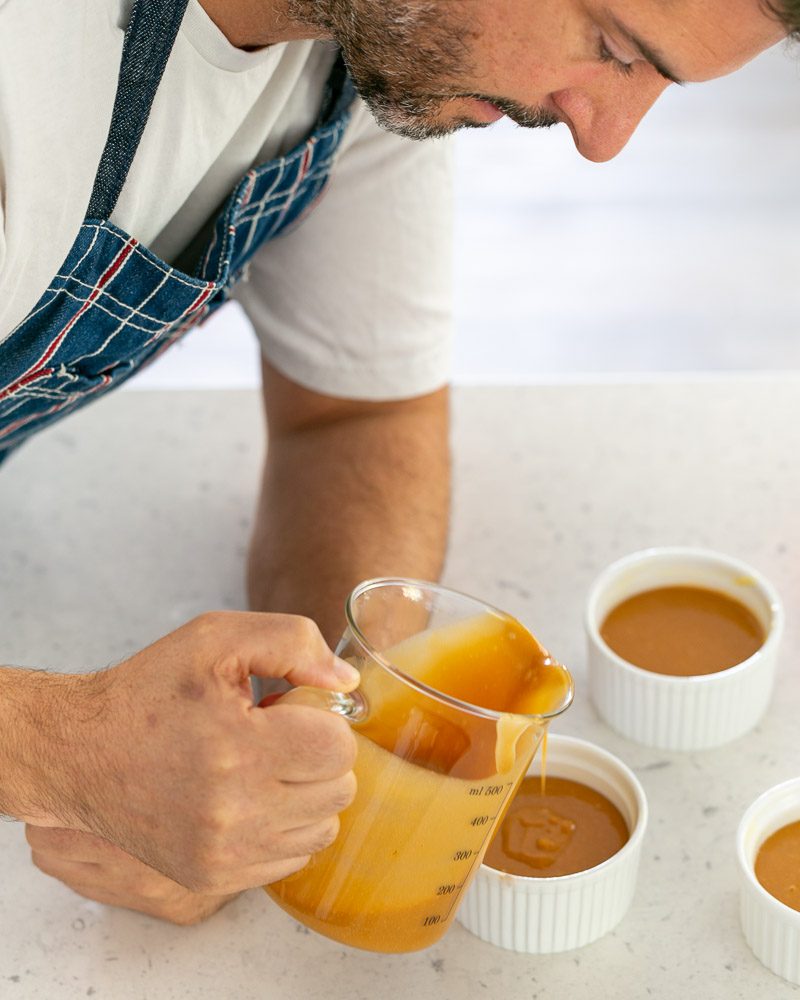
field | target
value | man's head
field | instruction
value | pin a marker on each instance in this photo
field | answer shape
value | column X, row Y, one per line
column 428, row 67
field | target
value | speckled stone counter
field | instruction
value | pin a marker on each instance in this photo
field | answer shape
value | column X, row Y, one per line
column 133, row 515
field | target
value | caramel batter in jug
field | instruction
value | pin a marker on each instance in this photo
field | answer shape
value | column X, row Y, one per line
column 433, row 781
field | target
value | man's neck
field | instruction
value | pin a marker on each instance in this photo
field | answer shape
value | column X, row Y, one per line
column 253, row 24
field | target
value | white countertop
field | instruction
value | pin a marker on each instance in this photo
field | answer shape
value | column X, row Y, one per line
column 130, row 517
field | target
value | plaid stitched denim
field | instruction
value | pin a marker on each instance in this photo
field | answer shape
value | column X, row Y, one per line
column 114, row 306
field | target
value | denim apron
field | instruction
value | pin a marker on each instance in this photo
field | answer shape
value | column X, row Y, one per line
column 114, row 306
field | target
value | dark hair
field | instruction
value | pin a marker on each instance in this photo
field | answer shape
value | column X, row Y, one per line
column 788, row 13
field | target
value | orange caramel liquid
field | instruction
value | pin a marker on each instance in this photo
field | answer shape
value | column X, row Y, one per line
column 569, row 827
column 433, row 782
column 778, row 865
column 684, row 631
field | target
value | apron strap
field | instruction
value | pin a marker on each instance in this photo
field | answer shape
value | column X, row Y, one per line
column 149, row 38
column 338, row 95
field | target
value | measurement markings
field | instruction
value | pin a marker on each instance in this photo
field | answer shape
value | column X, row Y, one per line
column 489, row 790
column 464, row 854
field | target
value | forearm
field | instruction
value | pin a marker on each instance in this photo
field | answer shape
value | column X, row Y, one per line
column 357, row 497
column 37, row 752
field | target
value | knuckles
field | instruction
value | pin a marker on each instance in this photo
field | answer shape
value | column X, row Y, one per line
column 224, row 763
column 303, row 631
column 306, row 633
column 211, row 622
column 225, row 788
column 211, row 863
column 215, row 867
column 150, row 886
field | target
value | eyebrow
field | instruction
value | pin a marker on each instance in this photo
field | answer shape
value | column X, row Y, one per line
column 647, row 52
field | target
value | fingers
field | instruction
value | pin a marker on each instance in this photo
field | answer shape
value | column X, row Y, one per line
column 80, row 858
column 304, row 840
column 132, row 885
column 298, row 804
column 75, row 857
column 100, row 871
column 72, row 873
column 72, row 845
column 304, row 744
column 185, row 911
column 276, row 645
column 256, row 786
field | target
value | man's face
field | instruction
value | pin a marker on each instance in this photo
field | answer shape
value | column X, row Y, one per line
column 428, row 67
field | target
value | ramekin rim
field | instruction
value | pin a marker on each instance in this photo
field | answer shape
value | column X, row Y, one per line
column 772, row 640
column 765, row 898
column 633, row 843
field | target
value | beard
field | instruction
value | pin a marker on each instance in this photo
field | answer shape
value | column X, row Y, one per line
column 404, row 57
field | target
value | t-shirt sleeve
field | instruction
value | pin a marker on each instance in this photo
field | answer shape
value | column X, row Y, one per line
column 356, row 301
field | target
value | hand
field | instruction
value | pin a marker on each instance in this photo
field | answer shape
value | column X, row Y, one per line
column 100, row 871
column 167, row 757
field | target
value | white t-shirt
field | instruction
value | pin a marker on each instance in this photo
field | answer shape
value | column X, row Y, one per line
column 355, row 301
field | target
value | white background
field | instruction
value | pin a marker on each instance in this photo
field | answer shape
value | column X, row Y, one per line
column 682, row 254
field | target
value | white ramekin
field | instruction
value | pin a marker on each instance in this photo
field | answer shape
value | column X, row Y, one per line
column 681, row 713
column 771, row 928
column 544, row 915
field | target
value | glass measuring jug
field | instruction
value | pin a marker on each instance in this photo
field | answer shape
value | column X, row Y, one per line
column 454, row 699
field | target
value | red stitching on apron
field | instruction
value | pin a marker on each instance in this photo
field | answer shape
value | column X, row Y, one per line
column 104, row 381
column 35, row 371
column 248, row 192
column 304, row 164
column 200, row 299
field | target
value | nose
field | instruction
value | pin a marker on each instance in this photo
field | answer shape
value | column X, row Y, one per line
column 603, row 118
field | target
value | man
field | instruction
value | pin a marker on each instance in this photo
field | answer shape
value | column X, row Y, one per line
column 350, row 306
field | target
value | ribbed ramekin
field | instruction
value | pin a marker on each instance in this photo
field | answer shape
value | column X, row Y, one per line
column 544, row 915
column 681, row 713
column 771, row 928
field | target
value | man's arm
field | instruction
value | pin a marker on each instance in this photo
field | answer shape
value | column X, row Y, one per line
column 351, row 490
column 36, row 709
column 96, row 764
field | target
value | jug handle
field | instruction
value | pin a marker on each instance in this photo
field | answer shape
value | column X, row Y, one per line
column 351, row 706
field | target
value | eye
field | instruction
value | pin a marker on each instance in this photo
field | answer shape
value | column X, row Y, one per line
column 605, row 55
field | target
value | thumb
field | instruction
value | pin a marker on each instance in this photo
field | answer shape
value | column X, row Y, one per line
column 291, row 647
column 329, row 672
